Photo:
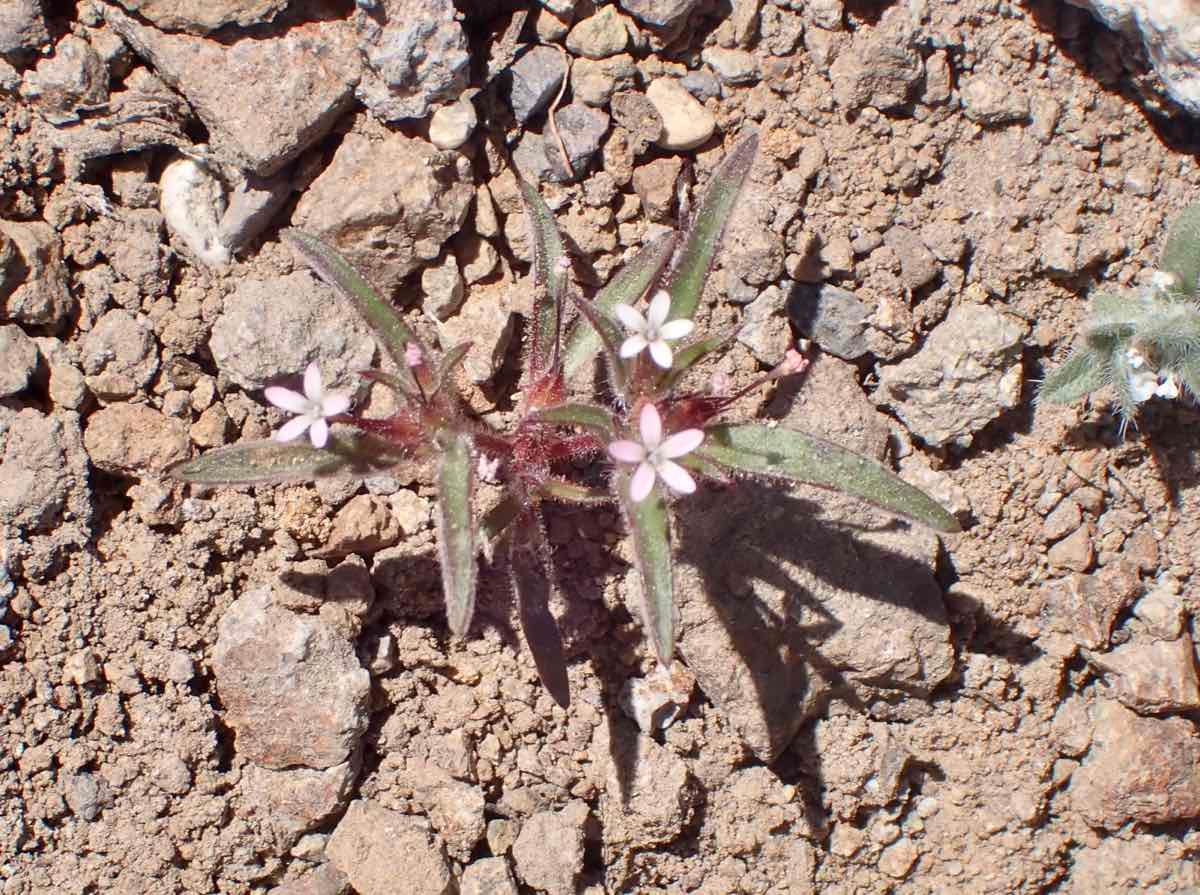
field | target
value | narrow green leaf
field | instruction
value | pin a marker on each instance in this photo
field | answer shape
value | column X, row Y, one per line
column 589, row 416
column 549, row 278
column 629, row 284
column 608, row 334
column 1079, row 375
column 569, row 492
column 650, row 527
column 787, row 454
column 456, row 542
column 690, row 355
column 1181, row 254
column 703, row 237
column 1119, row 374
column 533, row 582
column 451, row 359
column 394, row 334
column 497, row 523
column 270, row 461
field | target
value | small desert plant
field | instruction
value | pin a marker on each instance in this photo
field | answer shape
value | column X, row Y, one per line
column 1142, row 343
column 653, row 436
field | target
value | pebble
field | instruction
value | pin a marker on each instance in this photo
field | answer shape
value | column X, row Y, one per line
column 548, row 852
column 988, row 100
column 835, row 319
column 364, row 525
column 657, row 701
column 533, row 81
column 133, row 439
column 443, row 287
column 664, row 14
column 654, row 184
column 764, row 329
column 604, row 34
column 204, row 16
column 42, row 298
column 732, row 66
column 875, row 71
column 488, row 876
column 20, row 360
column 478, row 257
column 22, row 29
column 297, row 799
column 451, row 126
column 119, row 355
column 638, row 115
column 371, row 843
column 686, row 123
column 1073, row 552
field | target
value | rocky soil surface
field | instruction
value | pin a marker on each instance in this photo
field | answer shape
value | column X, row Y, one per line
column 253, row 690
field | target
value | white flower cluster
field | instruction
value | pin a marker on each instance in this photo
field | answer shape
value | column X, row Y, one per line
column 1146, row 383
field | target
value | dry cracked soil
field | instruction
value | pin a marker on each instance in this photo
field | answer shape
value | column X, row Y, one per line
column 253, row 690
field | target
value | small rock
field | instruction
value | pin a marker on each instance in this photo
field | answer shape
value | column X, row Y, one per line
column 549, row 851
column 72, row 79
column 292, row 688
column 686, row 123
column 918, row 267
column 650, row 800
column 297, row 799
column 991, row 101
column 443, row 287
column 33, row 288
column 119, row 355
column 665, row 14
column 84, row 795
column 322, row 880
column 213, row 428
column 1065, row 518
column 875, row 71
column 946, row 240
column 1074, row 551
column 383, row 852
column 1087, row 606
column 20, row 360
column 1145, row 770
column 967, row 374
column 133, row 439
column 765, row 329
column 635, row 113
column 274, row 328
column 364, row 525
column 604, row 34
column 264, row 100
column 1152, row 676
column 654, row 183
column 452, row 126
column 488, row 325
column 533, row 81
column 594, row 81
column 22, row 29
column 655, row 702
column 66, row 387
column 754, row 253
column 204, row 16
column 43, row 470
column 416, row 55
column 478, row 257
column 501, row 835
column 898, row 858
column 833, row 318
column 454, row 808
column 582, row 128
column 408, row 200
column 488, row 876
column 732, row 66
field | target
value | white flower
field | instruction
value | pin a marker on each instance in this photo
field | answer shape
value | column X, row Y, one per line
column 655, row 456
column 652, row 331
column 312, row 408
column 1147, row 383
column 1164, row 281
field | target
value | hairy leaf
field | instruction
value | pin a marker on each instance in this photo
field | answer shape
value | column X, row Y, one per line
column 791, row 455
column 569, row 492
column 497, row 524
column 629, row 284
column 533, row 581
column 1079, row 375
column 1118, row 373
column 649, row 525
column 451, row 359
column 548, row 276
column 1181, row 254
column 690, row 355
column 270, row 461
column 703, row 237
column 608, row 334
column 394, row 334
column 456, row 541
column 589, row 416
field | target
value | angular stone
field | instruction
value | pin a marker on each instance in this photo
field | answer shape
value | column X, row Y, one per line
column 1145, row 770
column 833, row 318
column 292, row 688
column 732, row 66
column 634, row 112
column 533, row 80
column 486, row 321
column 364, row 525
column 686, row 123
column 22, row 29
column 549, row 851
column 654, row 183
column 764, row 328
column 594, row 81
column 383, row 852
column 264, row 99
column 119, row 355
column 1073, row 552
column 274, row 328
column 1152, row 676
column 988, row 100
column 967, row 373
column 43, row 471
column 18, row 360
column 416, row 55
column 488, row 876
column 387, row 205
column 203, row 16
column 133, row 439
column 1087, row 606
column 74, row 78
column 604, row 34
column 297, row 799
column 33, row 281
column 665, row 14
column 875, row 71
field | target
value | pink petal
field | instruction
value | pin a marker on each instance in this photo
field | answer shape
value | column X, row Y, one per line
column 286, row 399
column 312, row 382
column 676, row 477
column 676, row 329
column 643, row 481
column 293, row 429
column 681, row 443
column 632, row 346
column 334, row 403
column 650, row 425
column 630, row 317
column 660, row 307
column 319, row 433
column 627, row 451
column 660, row 351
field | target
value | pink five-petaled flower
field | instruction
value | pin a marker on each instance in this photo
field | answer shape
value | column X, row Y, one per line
column 312, row 408
column 655, row 455
column 652, row 331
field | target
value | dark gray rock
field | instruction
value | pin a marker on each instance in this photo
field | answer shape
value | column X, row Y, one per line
column 533, row 81
column 833, row 318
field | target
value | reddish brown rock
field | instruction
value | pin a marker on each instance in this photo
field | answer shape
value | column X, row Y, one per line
column 383, row 852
